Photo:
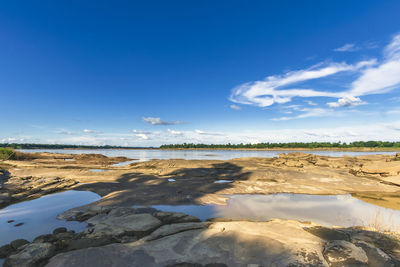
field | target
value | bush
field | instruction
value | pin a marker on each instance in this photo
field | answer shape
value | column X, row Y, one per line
column 6, row 153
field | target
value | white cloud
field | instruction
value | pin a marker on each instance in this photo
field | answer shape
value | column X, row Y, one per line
column 159, row 121
column 374, row 77
column 207, row 133
column 236, row 107
column 267, row 92
column 142, row 136
column 308, row 113
column 140, row 132
column 378, row 131
column 310, row 103
column 348, row 101
column 347, row 48
column 173, row 132
column 90, row 131
column 65, row 132
column 13, row 140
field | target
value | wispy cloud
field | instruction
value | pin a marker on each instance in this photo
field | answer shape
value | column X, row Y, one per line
column 142, row 136
column 65, row 132
column 347, row 48
column 307, row 113
column 91, row 131
column 140, row 132
column 173, row 132
column 159, row 121
column 13, row 140
column 236, row 107
column 310, row 103
column 372, row 77
column 207, row 133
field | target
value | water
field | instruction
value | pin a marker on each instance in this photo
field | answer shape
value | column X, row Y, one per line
column 98, row 170
column 148, row 154
column 332, row 210
column 39, row 215
column 223, row 182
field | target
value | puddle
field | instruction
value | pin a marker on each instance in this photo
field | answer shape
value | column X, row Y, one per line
column 125, row 163
column 39, row 215
column 339, row 210
column 223, row 182
column 68, row 159
column 171, row 180
column 98, row 170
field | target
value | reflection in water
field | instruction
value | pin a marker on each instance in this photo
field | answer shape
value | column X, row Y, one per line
column 97, row 170
column 148, row 154
column 339, row 210
column 39, row 215
column 223, row 182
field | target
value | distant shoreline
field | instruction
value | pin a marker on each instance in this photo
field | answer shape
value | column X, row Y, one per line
column 354, row 149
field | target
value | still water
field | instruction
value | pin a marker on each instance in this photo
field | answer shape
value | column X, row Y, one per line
column 148, row 154
column 39, row 215
column 331, row 210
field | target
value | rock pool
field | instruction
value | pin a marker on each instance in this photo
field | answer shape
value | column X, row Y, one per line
column 330, row 210
column 39, row 215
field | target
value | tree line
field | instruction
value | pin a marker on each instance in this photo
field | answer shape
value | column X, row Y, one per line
column 61, row 146
column 311, row 145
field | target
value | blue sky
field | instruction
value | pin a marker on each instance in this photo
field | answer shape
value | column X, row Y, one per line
column 143, row 73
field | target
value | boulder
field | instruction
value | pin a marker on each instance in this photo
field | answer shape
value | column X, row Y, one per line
column 44, row 238
column 6, row 250
column 16, row 244
column 30, row 255
column 273, row 243
column 59, row 230
column 129, row 224
column 340, row 253
column 376, row 257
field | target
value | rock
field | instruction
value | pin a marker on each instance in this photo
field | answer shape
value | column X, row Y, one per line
column 96, row 219
column 239, row 243
column 6, row 250
column 382, row 168
column 59, row 230
column 171, row 229
column 44, row 238
column 90, row 242
column 30, row 255
column 376, row 257
column 340, row 253
column 185, row 264
column 5, row 198
column 65, row 235
column 328, row 233
column 218, row 220
column 175, row 217
column 129, row 224
column 16, row 244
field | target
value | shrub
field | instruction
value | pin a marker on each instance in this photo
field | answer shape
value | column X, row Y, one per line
column 6, row 153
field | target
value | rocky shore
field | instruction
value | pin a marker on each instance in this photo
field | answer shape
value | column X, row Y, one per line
column 120, row 235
